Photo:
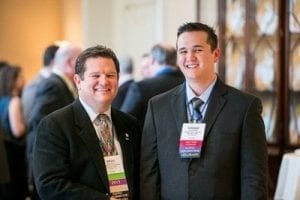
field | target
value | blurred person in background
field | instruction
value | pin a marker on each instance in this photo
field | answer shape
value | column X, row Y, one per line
column 4, row 172
column 165, row 75
column 13, row 127
column 125, row 80
column 53, row 93
column 29, row 95
column 145, row 66
column 29, row 91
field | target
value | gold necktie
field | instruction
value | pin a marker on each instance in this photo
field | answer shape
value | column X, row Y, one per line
column 107, row 140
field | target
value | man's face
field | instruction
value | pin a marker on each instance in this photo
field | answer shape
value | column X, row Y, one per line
column 99, row 85
column 194, row 55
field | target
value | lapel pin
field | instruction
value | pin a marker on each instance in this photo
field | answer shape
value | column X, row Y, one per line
column 126, row 136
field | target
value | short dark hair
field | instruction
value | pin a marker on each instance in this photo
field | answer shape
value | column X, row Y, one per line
column 49, row 54
column 94, row 52
column 8, row 77
column 212, row 38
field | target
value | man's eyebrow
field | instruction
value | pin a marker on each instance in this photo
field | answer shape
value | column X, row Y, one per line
column 198, row 45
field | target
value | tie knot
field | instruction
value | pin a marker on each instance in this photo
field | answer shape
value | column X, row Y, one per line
column 196, row 103
column 101, row 120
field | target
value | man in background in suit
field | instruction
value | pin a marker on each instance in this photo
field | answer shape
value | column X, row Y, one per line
column 29, row 92
column 53, row 93
column 144, row 68
column 203, row 139
column 72, row 159
column 166, row 75
column 125, row 80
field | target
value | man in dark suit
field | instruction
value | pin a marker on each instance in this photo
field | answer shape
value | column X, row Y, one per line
column 73, row 157
column 166, row 75
column 29, row 92
column 125, row 80
column 53, row 93
column 213, row 150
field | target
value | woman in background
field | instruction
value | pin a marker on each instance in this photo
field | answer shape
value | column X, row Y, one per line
column 4, row 172
column 11, row 85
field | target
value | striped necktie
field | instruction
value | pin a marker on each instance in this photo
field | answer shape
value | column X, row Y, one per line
column 196, row 115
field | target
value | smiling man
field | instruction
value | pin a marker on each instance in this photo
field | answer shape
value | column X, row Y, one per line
column 88, row 150
column 203, row 139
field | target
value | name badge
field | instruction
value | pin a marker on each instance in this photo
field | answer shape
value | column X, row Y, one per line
column 191, row 140
column 116, row 177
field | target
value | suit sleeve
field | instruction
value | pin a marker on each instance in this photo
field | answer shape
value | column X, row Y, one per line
column 53, row 174
column 149, row 170
column 253, row 154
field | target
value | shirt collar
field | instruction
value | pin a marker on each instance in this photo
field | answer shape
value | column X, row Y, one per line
column 69, row 83
column 204, row 96
column 124, row 78
column 165, row 69
column 91, row 113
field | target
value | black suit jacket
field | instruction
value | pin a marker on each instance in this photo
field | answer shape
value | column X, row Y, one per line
column 51, row 95
column 140, row 92
column 68, row 160
column 122, row 91
column 233, row 159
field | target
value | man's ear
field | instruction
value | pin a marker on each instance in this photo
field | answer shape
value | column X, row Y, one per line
column 217, row 54
column 77, row 81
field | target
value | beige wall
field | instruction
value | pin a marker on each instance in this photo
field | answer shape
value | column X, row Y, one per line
column 28, row 26
column 129, row 27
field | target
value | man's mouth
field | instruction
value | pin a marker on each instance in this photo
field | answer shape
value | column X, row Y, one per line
column 191, row 66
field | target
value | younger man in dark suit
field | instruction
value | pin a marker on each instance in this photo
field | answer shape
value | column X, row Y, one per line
column 89, row 150
column 203, row 139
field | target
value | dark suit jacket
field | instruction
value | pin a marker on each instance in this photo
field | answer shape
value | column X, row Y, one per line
column 51, row 95
column 68, row 161
column 28, row 97
column 140, row 92
column 233, row 159
column 122, row 91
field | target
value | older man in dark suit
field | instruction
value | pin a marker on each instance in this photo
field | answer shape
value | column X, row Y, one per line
column 89, row 150
column 203, row 139
column 55, row 92
column 165, row 76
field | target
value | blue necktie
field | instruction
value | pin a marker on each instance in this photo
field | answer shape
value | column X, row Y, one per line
column 196, row 115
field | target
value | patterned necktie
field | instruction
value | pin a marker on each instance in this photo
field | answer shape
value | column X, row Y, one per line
column 107, row 141
column 196, row 115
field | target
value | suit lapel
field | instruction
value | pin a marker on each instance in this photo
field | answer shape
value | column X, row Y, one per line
column 124, row 140
column 89, row 137
column 178, row 107
column 216, row 103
